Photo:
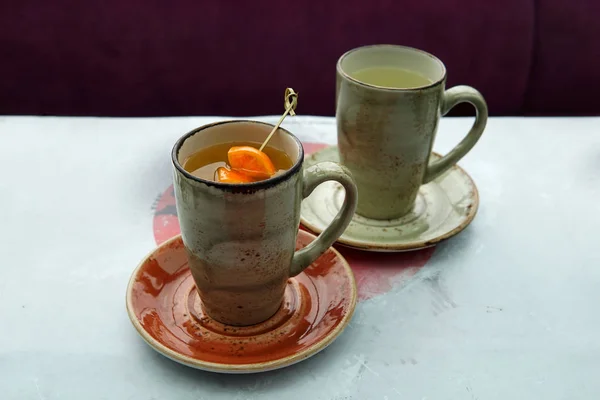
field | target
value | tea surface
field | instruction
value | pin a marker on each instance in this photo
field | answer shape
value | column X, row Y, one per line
column 391, row 77
column 204, row 163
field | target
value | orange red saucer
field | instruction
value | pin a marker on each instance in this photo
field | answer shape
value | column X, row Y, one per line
column 166, row 311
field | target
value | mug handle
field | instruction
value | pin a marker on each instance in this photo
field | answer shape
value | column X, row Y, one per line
column 313, row 177
column 452, row 97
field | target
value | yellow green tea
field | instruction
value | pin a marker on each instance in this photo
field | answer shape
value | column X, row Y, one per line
column 391, row 77
column 204, row 163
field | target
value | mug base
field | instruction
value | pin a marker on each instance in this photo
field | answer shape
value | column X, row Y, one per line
column 241, row 316
column 385, row 216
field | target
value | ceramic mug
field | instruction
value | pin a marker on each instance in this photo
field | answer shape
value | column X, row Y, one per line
column 386, row 134
column 241, row 238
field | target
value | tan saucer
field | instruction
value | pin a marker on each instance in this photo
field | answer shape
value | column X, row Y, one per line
column 165, row 309
column 443, row 208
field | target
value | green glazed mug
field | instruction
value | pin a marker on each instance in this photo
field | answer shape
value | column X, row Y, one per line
column 386, row 134
column 241, row 238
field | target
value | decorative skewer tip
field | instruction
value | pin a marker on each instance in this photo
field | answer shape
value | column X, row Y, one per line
column 290, row 100
column 290, row 103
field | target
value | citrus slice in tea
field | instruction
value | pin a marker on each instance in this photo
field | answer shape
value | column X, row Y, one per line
column 229, row 176
column 250, row 161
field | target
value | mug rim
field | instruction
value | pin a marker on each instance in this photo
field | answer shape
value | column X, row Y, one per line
column 252, row 186
column 391, row 89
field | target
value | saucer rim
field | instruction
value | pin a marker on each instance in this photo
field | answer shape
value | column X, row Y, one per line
column 241, row 368
column 404, row 246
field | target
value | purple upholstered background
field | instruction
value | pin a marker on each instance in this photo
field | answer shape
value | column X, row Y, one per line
column 184, row 57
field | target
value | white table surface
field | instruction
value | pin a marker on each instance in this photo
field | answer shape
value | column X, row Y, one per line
column 506, row 310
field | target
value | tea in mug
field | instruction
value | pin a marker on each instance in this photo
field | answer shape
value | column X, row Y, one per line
column 391, row 77
column 212, row 163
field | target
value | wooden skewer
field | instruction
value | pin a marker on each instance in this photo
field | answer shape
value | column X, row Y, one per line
column 290, row 103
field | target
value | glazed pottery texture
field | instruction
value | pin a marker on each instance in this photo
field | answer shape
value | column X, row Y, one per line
column 443, row 208
column 164, row 307
column 241, row 238
column 385, row 135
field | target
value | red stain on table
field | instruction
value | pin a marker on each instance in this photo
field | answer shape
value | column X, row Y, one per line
column 378, row 273
column 375, row 273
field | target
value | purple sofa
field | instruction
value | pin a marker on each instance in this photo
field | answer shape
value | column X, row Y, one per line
column 160, row 57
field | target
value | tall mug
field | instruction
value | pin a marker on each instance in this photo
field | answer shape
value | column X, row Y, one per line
column 241, row 238
column 389, row 100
